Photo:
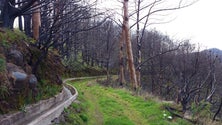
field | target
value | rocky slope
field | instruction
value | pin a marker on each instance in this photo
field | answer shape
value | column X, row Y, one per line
column 17, row 81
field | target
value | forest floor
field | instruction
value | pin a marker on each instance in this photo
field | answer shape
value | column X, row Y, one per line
column 100, row 105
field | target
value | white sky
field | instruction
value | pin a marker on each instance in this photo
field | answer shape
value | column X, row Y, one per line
column 201, row 22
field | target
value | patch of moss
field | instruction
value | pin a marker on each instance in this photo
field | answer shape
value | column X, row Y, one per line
column 8, row 36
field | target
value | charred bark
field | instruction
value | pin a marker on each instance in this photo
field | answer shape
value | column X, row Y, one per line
column 9, row 11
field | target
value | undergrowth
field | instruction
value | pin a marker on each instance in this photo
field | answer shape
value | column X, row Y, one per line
column 47, row 90
column 2, row 64
column 14, row 98
column 8, row 36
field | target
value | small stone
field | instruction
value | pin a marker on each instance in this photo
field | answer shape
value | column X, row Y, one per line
column 16, row 57
column 55, row 121
column 19, row 76
column 188, row 115
column 32, row 80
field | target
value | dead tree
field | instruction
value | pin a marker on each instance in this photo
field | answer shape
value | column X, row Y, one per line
column 10, row 9
column 126, row 29
column 151, row 8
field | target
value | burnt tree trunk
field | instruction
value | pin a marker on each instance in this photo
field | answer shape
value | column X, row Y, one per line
column 7, row 14
column 20, row 20
column 9, row 11
column 218, row 110
column 27, row 25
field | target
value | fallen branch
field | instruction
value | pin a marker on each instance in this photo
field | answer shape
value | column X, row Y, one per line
column 172, row 111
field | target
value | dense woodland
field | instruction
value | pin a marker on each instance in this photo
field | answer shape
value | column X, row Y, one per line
column 145, row 59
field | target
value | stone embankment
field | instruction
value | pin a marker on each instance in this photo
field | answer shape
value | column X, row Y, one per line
column 43, row 112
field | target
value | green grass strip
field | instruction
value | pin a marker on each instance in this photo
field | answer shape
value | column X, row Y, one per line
column 109, row 106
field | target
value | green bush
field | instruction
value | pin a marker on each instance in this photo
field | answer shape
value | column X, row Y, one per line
column 4, row 92
column 47, row 89
column 83, row 117
column 201, row 110
column 11, row 36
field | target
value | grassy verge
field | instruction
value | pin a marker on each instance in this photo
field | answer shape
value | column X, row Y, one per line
column 100, row 105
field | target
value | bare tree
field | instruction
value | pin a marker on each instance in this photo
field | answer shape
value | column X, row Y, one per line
column 126, row 29
column 121, row 58
column 10, row 9
column 151, row 9
column 61, row 21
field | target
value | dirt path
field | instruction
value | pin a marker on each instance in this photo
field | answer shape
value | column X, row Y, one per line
column 95, row 115
column 97, row 110
column 129, row 111
column 113, row 106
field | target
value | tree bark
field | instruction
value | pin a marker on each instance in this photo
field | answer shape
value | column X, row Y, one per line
column 20, row 20
column 27, row 25
column 20, row 23
column 139, row 56
column 7, row 14
column 121, row 66
column 108, row 52
column 129, row 45
column 218, row 110
column 36, row 22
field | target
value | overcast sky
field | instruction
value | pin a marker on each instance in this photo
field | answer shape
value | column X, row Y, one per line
column 201, row 22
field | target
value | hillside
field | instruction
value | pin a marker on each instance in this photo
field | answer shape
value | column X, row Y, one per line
column 100, row 105
column 96, row 104
column 215, row 51
column 42, row 42
column 19, row 84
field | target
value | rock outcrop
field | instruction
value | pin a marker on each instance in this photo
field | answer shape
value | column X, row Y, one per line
column 16, row 57
column 20, row 79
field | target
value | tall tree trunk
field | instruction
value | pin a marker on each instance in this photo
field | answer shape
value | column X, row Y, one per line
column 9, row 11
column 129, row 45
column 20, row 20
column 139, row 56
column 218, row 110
column 20, row 23
column 2, row 2
column 27, row 25
column 36, row 22
column 108, row 52
column 121, row 66
column 7, row 14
